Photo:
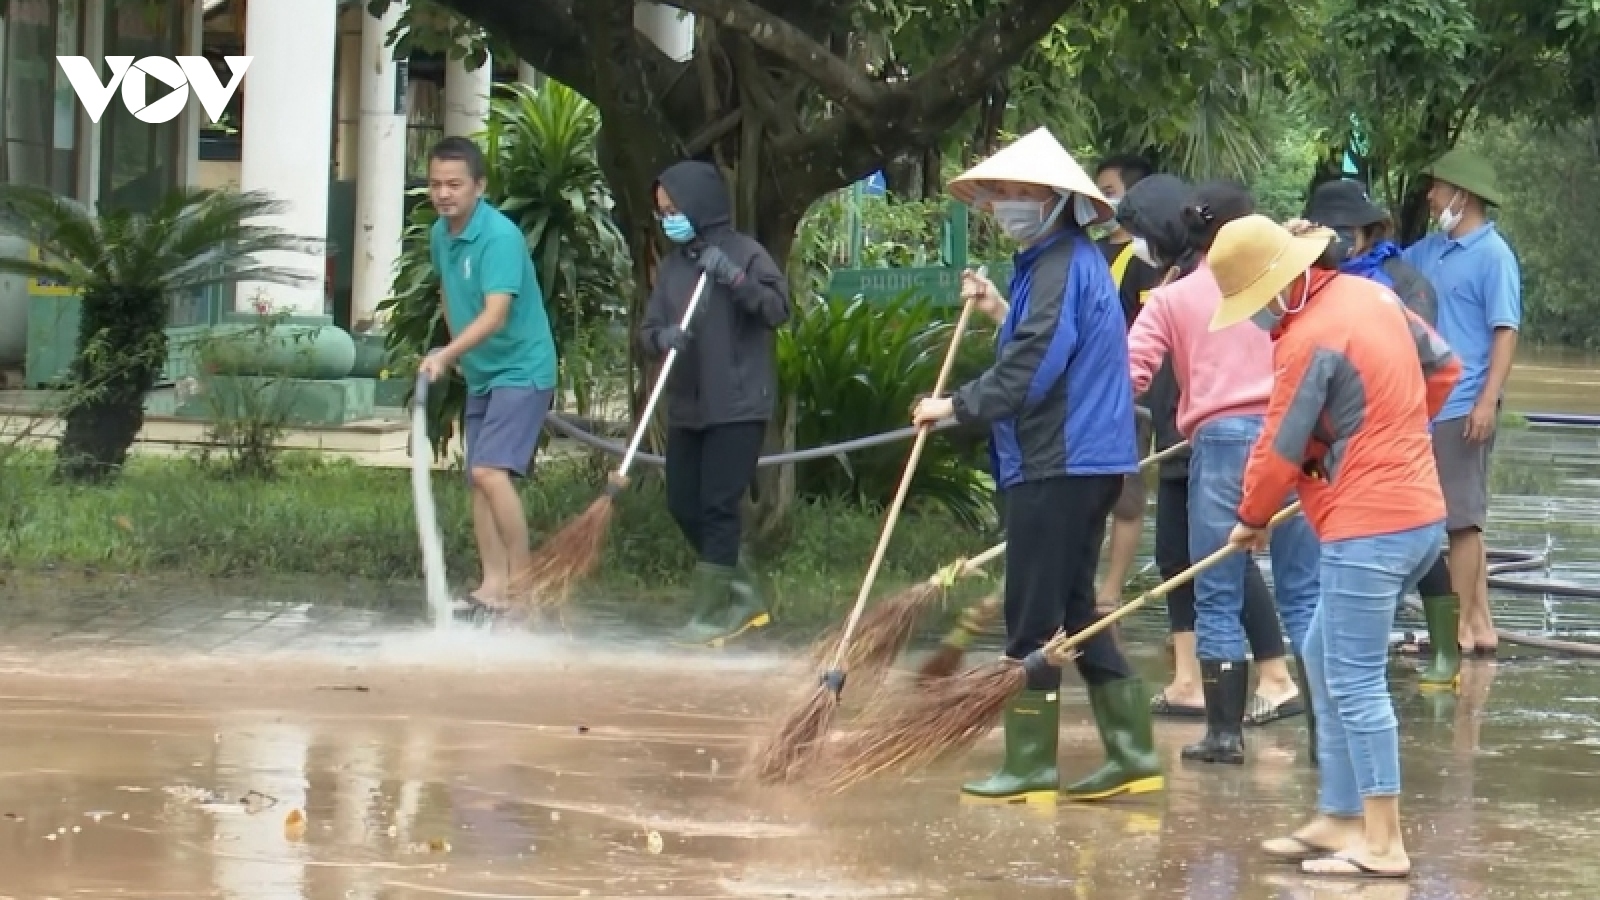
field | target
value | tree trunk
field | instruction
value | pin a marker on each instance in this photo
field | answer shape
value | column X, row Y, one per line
column 122, row 347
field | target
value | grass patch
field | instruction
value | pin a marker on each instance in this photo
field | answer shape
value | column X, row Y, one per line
column 337, row 518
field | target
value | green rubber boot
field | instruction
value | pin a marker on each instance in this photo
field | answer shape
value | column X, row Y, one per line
column 1444, row 617
column 1303, row 681
column 713, row 592
column 1122, row 711
column 1028, row 774
column 746, row 608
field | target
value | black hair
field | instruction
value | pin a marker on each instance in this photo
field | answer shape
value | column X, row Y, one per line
column 1216, row 204
column 463, row 150
column 1131, row 166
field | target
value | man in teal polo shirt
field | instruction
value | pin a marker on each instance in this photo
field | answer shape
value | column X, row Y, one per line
column 1479, row 287
column 500, row 336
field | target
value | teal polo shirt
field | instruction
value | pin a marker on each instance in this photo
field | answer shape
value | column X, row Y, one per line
column 490, row 256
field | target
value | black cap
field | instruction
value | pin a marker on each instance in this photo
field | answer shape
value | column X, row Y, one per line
column 1343, row 204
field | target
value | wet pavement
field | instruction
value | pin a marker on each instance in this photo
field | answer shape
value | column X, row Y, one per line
column 298, row 739
column 280, row 754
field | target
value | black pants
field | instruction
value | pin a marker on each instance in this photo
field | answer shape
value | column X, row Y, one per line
column 708, row 471
column 1437, row 582
column 1260, row 613
column 1053, row 532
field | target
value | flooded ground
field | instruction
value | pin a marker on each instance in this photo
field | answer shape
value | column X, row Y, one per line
column 293, row 739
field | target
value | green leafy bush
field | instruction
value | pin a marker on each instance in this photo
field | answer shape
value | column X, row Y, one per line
column 855, row 368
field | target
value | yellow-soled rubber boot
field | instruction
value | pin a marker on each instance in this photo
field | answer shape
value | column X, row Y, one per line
column 1028, row 773
column 1444, row 617
column 1122, row 712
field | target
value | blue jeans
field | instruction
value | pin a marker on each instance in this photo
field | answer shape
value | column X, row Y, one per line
column 1347, row 658
column 1216, row 485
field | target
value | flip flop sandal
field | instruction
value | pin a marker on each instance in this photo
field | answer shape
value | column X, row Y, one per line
column 1262, row 711
column 1357, row 869
column 1303, row 850
column 1161, row 706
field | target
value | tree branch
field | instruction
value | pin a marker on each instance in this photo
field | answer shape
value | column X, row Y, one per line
column 543, row 33
column 917, row 112
column 857, row 94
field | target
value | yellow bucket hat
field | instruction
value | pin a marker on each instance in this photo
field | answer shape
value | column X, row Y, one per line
column 1035, row 158
column 1253, row 260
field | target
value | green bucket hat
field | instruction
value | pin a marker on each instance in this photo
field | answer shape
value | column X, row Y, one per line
column 1468, row 171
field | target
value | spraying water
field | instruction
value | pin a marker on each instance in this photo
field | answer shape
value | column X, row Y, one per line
column 427, row 519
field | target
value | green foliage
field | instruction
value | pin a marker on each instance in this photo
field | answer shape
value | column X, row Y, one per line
column 337, row 518
column 541, row 150
column 128, row 268
column 1552, row 182
column 855, row 368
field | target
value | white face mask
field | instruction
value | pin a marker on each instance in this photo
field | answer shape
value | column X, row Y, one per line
column 1141, row 249
column 1084, row 210
column 1026, row 220
column 1449, row 218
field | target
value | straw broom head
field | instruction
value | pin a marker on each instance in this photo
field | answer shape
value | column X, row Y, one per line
column 569, row 556
column 910, row 728
column 946, row 658
column 789, row 750
column 883, row 632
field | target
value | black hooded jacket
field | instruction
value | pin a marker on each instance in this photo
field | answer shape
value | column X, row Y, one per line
column 729, row 371
column 1153, row 210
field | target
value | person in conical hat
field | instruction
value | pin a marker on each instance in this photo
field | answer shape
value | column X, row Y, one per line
column 1357, row 380
column 1059, row 406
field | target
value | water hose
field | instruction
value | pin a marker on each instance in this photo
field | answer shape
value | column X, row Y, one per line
column 438, row 586
column 1506, row 562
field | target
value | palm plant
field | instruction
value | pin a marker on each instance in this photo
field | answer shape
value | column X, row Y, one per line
column 127, row 268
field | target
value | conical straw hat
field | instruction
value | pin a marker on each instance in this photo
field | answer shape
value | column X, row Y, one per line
column 1036, row 158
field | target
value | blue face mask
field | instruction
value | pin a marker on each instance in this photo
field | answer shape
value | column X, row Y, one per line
column 677, row 228
column 1265, row 319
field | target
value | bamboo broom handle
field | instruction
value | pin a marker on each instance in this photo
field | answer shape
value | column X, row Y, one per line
column 620, row 477
column 1059, row 648
column 917, row 444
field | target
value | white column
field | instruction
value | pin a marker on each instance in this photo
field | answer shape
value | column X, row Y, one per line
column 466, row 97
column 288, row 121
column 381, row 179
column 89, row 133
column 194, row 115
column 528, row 74
column 671, row 30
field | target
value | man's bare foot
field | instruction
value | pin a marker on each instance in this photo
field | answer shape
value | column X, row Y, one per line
column 1322, row 836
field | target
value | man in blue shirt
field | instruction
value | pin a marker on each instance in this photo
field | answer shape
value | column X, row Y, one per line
column 1479, row 287
column 500, row 337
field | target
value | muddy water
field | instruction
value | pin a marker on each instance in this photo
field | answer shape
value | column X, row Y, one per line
column 509, row 767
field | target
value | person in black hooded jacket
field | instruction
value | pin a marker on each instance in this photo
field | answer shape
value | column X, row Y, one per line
column 723, row 386
column 1173, row 225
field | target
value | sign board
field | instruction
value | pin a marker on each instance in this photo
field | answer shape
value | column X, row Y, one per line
column 940, row 283
column 875, row 185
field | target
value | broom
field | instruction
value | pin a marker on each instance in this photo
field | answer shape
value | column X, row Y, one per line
column 909, row 732
column 793, row 743
column 888, row 627
column 572, row 553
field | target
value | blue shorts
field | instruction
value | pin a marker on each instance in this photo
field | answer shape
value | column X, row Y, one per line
column 503, row 428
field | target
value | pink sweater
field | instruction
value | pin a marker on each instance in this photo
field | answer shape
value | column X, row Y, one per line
column 1220, row 374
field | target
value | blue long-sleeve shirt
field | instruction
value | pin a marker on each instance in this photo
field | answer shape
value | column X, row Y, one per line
column 1058, row 399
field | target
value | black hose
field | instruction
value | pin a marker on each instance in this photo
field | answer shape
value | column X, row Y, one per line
column 1506, row 562
column 566, row 428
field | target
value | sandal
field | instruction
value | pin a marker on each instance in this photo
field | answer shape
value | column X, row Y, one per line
column 1262, row 710
column 1353, row 868
column 1161, row 706
column 1299, row 850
